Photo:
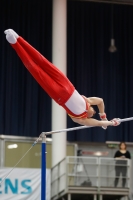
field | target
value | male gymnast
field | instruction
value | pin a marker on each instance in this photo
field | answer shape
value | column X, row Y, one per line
column 57, row 85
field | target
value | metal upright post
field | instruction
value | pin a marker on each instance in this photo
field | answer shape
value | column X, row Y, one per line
column 43, row 169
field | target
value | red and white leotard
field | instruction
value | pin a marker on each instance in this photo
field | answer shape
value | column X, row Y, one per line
column 51, row 79
column 77, row 106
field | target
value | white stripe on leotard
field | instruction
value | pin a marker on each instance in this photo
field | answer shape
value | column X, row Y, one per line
column 76, row 103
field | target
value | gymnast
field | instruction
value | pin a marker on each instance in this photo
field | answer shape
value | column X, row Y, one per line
column 57, row 85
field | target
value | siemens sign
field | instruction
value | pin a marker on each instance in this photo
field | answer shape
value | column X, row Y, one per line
column 15, row 186
column 23, row 183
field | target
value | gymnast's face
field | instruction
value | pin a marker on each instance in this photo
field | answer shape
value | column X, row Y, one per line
column 91, row 112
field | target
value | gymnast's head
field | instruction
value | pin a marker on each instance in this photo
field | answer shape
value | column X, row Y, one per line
column 91, row 112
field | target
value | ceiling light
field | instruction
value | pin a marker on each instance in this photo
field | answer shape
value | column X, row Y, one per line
column 112, row 47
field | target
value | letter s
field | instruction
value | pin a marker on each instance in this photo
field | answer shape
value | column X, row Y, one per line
column 27, row 187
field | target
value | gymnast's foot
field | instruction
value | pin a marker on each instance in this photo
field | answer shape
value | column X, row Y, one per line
column 11, row 38
column 11, row 31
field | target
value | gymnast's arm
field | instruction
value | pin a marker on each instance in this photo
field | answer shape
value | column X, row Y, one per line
column 98, row 102
column 92, row 122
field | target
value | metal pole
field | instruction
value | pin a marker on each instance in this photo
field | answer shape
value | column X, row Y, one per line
column 82, row 127
column 69, row 196
column 43, row 170
column 126, row 119
column 66, row 130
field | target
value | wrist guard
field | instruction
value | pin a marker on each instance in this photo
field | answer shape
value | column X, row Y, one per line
column 102, row 116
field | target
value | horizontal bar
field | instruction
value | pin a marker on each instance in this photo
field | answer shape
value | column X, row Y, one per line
column 125, row 2
column 67, row 129
column 81, row 127
column 125, row 119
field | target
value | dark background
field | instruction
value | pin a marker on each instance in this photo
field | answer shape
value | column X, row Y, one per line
column 25, row 109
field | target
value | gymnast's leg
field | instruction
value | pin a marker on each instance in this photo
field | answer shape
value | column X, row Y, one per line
column 52, row 80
